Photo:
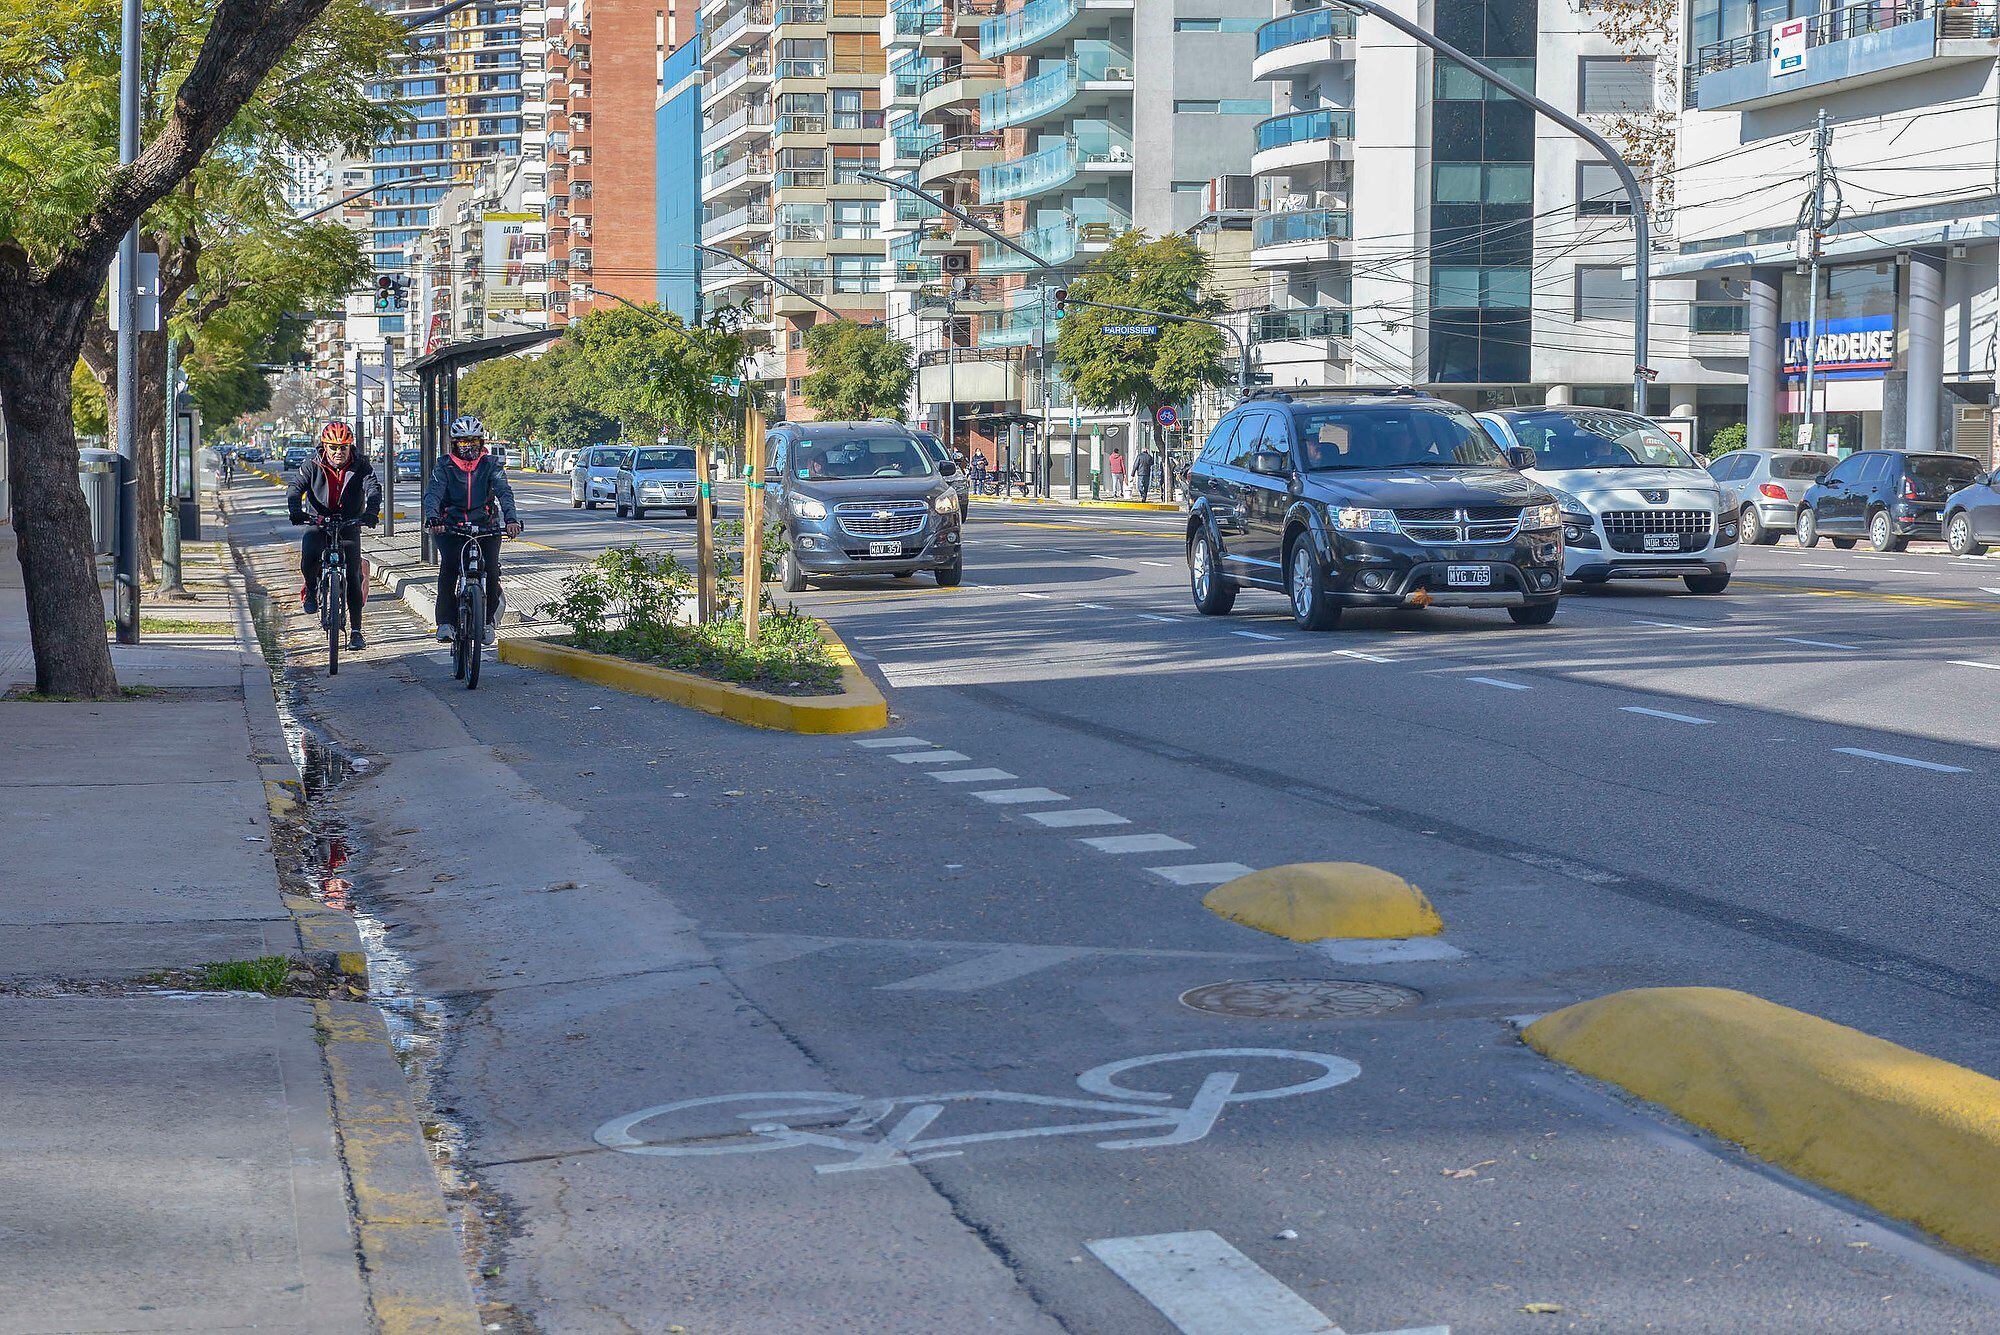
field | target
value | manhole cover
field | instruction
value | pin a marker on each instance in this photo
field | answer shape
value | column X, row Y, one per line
column 1298, row 998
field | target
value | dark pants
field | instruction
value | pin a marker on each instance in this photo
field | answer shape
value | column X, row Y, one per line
column 312, row 555
column 451, row 551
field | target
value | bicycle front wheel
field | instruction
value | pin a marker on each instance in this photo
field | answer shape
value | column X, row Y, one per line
column 475, row 636
column 333, row 615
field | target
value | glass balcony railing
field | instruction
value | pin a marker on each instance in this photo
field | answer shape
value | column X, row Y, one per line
column 1282, row 229
column 1312, row 26
column 1298, row 326
column 914, row 20
column 1052, row 167
column 1016, row 325
column 1300, row 127
column 1056, row 244
column 1006, row 33
column 1050, row 89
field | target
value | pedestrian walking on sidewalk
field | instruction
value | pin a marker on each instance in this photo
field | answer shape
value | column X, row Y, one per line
column 468, row 488
column 336, row 482
column 1116, row 465
column 1142, row 474
column 979, row 473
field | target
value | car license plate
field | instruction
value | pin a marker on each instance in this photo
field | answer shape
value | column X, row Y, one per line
column 1663, row 542
column 1468, row 577
column 885, row 549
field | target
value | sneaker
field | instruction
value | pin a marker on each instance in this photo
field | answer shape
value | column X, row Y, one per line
column 354, row 640
column 444, row 634
column 489, row 635
column 309, row 598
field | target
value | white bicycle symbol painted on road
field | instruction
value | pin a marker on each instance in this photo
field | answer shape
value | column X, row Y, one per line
column 860, row 1128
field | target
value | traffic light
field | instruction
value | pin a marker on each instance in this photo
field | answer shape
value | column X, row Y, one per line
column 385, row 293
column 1062, row 299
column 402, row 293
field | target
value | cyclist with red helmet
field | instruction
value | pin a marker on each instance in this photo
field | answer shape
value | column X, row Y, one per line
column 336, row 484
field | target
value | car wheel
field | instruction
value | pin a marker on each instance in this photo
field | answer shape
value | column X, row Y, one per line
column 1214, row 594
column 590, row 505
column 1882, row 534
column 1705, row 583
column 949, row 576
column 1310, row 608
column 1845, row 544
column 638, row 511
column 687, row 512
column 620, row 510
column 906, row 574
column 1808, row 530
column 1533, row 614
column 791, row 574
column 1750, row 528
column 1958, row 536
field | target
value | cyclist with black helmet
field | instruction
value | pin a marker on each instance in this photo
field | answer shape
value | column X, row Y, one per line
column 336, row 483
column 466, row 489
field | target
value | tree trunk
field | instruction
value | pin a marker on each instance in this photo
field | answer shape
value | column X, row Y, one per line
column 39, row 337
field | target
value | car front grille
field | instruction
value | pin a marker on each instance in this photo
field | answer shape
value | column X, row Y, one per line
column 1478, row 523
column 892, row 519
column 1627, row 529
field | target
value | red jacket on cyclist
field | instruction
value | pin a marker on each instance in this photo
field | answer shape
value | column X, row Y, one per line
column 468, row 488
column 336, row 483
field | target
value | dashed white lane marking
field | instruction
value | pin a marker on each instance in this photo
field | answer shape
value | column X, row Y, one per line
column 1816, row 644
column 1666, row 714
column 1203, row 873
column 1901, row 760
column 1820, row 565
column 1014, row 797
column 880, row 743
column 971, row 775
column 1095, row 607
column 929, row 757
column 1164, row 565
column 1905, row 570
column 1137, row 843
column 1665, row 625
column 1155, row 616
column 1366, row 658
column 1255, row 635
column 1076, row 818
column 1859, row 557
column 1984, row 589
column 994, row 966
column 1967, row 662
column 1503, row 685
column 1023, row 593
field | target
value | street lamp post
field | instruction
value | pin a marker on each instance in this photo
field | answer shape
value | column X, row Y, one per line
column 126, row 575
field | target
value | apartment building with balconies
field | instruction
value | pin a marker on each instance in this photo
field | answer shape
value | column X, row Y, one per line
column 1418, row 225
column 1906, row 316
column 792, row 113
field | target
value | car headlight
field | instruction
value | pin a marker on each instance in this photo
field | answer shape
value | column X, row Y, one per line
column 1542, row 516
column 1573, row 510
column 946, row 504
column 805, row 507
column 1356, row 519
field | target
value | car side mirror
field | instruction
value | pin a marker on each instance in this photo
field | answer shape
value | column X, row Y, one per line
column 947, row 469
column 1271, row 463
column 1520, row 457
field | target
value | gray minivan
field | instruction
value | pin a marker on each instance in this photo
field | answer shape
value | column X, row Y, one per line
column 655, row 477
column 594, row 479
column 861, row 498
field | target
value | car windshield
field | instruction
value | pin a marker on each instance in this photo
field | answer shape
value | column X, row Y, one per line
column 1937, row 476
column 606, row 458
column 1380, row 436
column 1574, row 439
column 861, row 456
column 675, row 458
column 1812, row 466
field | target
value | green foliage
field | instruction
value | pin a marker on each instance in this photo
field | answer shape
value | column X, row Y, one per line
column 626, row 592
column 652, row 378
column 856, row 372
column 264, row 974
column 86, row 402
column 1116, row 371
column 539, row 400
column 1732, row 437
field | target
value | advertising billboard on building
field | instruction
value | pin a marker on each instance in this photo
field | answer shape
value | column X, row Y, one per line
column 1858, row 347
column 504, row 267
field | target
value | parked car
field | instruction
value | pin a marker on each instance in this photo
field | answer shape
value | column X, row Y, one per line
column 1769, row 485
column 409, row 465
column 1635, row 505
column 564, row 461
column 651, row 476
column 1354, row 501
column 861, row 498
column 961, row 480
column 1886, row 496
column 1972, row 516
column 593, row 479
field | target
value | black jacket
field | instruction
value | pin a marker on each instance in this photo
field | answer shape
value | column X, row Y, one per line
column 460, row 496
column 360, row 494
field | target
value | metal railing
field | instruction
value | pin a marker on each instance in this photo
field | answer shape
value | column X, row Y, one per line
column 1971, row 19
column 1007, row 33
column 1299, row 325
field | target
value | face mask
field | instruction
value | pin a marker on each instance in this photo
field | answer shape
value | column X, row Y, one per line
column 465, row 449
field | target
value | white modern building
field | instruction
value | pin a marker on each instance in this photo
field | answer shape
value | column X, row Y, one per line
column 1904, row 319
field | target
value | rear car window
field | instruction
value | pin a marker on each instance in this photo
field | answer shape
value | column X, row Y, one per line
column 1938, row 476
column 1801, row 465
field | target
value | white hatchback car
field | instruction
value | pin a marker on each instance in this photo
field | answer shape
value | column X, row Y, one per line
column 593, row 479
column 1635, row 504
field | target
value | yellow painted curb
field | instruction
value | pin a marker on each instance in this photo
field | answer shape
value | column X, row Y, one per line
column 858, row 707
column 1167, row 507
column 1319, row 901
column 1913, row 1136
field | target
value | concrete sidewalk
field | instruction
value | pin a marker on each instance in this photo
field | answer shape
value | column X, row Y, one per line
column 176, row 1160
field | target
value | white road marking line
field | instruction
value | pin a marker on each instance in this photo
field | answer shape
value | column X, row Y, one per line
column 1967, row 662
column 1984, row 589
column 1204, row 1286
column 971, row 775
column 987, row 969
column 1820, row 565
column 1095, row 607
column 1014, row 797
column 929, row 757
column 1905, row 570
column 1664, row 625
column 1255, row 635
column 1023, row 593
column 1503, row 685
column 1900, row 760
column 1076, row 817
column 1408, row 950
column 1366, row 658
column 1859, row 557
column 1137, row 843
column 1816, row 644
column 1155, row 616
column 1667, row 714
column 1203, row 873
column 878, row 743
column 1164, row 565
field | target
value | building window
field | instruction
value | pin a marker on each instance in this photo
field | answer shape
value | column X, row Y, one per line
column 1459, row 287
column 1196, row 107
column 1603, row 292
column 1718, row 307
column 1455, row 83
column 1483, row 183
column 1599, row 193
column 1614, row 85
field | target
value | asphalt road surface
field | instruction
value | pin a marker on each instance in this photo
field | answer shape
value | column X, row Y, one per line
column 673, row 957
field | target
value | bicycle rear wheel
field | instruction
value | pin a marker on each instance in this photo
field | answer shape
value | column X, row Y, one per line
column 475, row 635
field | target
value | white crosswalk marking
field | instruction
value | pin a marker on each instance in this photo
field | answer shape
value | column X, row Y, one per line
column 1137, row 843
column 971, row 775
column 930, row 757
column 1202, row 873
column 1009, row 797
column 889, row 743
column 1076, row 817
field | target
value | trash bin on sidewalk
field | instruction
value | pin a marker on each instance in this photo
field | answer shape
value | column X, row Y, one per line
column 97, row 473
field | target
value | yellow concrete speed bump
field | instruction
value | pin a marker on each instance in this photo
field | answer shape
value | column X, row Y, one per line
column 1913, row 1136
column 1317, row 901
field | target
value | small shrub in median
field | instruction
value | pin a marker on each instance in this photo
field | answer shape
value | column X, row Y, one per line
column 627, row 603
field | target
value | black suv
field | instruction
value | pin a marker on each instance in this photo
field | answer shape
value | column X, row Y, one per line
column 861, row 498
column 1357, row 500
column 1886, row 496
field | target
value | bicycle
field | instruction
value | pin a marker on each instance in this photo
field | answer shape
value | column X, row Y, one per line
column 469, row 625
column 333, row 588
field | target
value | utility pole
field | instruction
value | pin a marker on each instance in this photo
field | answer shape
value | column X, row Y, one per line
column 389, row 438
column 753, row 519
column 170, row 508
column 951, row 366
column 1812, row 222
column 126, row 573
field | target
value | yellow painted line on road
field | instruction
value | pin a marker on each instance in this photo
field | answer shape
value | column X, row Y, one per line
column 1913, row 1136
column 1083, row 528
column 1868, row 595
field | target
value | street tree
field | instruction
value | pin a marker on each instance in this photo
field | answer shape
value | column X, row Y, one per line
column 856, row 371
column 65, row 202
column 1142, row 373
column 652, row 371
column 539, row 399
